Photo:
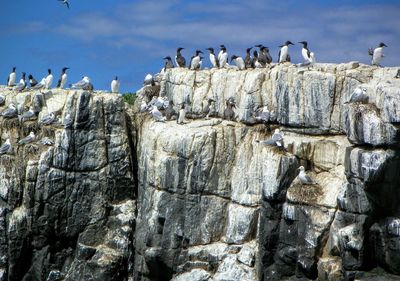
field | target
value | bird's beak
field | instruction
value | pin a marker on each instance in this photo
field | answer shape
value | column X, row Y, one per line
column 384, row 45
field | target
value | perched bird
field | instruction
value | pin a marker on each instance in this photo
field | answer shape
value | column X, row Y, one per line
column 248, row 60
column 398, row 74
column 28, row 115
column 148, row 80
column 157, row 114
column 223, row 57
column 2, row 99
column 68, row 121
column 48, row 119
column 46, row 141
column 63, row 78
column 377, row 54
column 273, row 117
column 170, row 111
column 22, row 83
column 195, row 61
column 213, row 59
column 115, row 85
column 159, row 102
column 179, row 59
column 358, row 95
column 168, row 63
column 143, row 106
column 49, row 79
column 304, row 178
column 263, row 116
column 305, row 52
column 262, row 57
column 229, row 114
column 181, row 115
column 265, row 51
column 277, row 137
column 65, row 2
column 284, row 52
column 6, row 147
column 238, row 61
column 256, row 63
column 207, row 107
column 83, row 84
column 40, row 85
column 12, row 78
column 30, row 138
column 32, row 80
column 10, row 112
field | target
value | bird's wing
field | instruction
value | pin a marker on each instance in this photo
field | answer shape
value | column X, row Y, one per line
column 157, row 115
column 4, row 148
column 59, row 82
column 279, row 55
column 370, row 51
column 67, row 4
column 308, row 179
column 308, row 53
column 277, row 137
column 8, row 79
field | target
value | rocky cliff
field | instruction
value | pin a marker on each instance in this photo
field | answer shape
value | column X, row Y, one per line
column 121, row 197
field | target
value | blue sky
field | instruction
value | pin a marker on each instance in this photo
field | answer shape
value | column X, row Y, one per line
column 104, row 38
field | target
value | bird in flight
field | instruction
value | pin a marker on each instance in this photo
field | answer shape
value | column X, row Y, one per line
column 65, row 2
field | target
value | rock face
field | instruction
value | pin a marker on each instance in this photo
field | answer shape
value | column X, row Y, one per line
column 121, row 197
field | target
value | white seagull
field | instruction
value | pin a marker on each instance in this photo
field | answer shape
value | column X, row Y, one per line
column 48, row 119
column 84, row 84
column 277, row 137
column 6, row 147
column 157, row 114
column 28, row 115
column 304, row 178
column 358, row 95
column 10, row 112
column 30, row 138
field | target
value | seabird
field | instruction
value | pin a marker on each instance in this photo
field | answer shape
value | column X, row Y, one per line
column 63, row 78
column 6, row 147
column 170, row 111
column 179, row 59
column 248, row 61
column 238, row 61
column 2, row 99
column 181, row 115
column 304, row 178
column 12, row 78
column 263, row 116
column 398, row 74
column 32, row 81
column 159, row 102
column 49, row 79
column 84, row 84
column 277, row 137
column 265, row 50
column 28, row 115
column 157, row 114
column 148, row 80
column 229, row 114
column 195, row 61
column 284, row 52
column 10, row 112
column 68, row 122
column 115, row 85
column 22, row 83
column 262, row 57
column 305, row 52
column 30, row 138
column 358, row 95
column 143, row 106
column 207, row 107
column 46, row 141
column 40, row 85
column 377, row 54
column 213, row 59
column 168, row 63
column 223, row 57
column 65, row 2
column 48, row 119
column 256, row 63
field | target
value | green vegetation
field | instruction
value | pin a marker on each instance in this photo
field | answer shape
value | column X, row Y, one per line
column 129, row 98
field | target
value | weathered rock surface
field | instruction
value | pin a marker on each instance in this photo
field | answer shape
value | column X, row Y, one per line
column 121, row 197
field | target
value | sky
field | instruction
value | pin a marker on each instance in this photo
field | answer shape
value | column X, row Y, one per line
column 105, row 38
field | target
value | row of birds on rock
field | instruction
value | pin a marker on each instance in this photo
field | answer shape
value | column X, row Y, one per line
column 47, row 82
column 257, row 59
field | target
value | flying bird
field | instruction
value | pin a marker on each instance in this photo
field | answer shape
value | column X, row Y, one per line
column 283, row 55
column 12, row 78
column 6, row 147
column 115, row 85
column 304, row 178
column 63, row 78
column 377, row 54
column 65, row 2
